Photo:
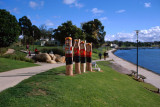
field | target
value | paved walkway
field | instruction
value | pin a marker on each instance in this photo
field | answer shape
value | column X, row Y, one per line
column 151, row 77
column 11, row 78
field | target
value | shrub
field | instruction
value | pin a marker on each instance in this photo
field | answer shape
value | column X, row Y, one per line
column 3, row 50
column 59, row 51
column 18, row 57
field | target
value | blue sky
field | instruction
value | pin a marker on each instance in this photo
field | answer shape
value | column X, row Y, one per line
column 120, row 17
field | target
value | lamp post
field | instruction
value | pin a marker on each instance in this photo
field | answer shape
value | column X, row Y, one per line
column 137, row 31
column 33, row 41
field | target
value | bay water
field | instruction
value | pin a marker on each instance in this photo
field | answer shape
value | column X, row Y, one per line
column 149, row 58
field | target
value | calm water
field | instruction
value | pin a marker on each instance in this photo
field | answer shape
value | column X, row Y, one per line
column 148, row 58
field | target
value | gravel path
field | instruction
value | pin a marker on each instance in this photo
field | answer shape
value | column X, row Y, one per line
column 151, row 77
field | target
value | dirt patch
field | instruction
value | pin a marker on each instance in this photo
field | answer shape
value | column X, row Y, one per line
column 61, row 74
column 119, row 68
column 38, row 92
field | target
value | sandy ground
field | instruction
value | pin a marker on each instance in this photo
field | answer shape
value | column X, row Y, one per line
column 151, row 77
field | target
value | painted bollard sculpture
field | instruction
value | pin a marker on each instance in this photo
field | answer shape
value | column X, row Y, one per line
column 83, row 56
column 89, row 56
column 77, row 56
column 68, row 55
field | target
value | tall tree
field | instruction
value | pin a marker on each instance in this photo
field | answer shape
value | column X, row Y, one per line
column 94, row 31
column 67, row 29
column 9, row 28
column 43, row 29
column 26, row 25
column 37, row 32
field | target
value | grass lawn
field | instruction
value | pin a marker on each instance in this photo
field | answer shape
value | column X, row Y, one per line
column 96, row 89
column 9, row 64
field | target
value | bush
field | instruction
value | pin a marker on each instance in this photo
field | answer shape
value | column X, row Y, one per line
column 18, row 57
column 58, row 51
column 3, row 50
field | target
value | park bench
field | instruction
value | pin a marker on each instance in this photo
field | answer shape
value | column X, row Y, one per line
column 142, row 77
column 95, row 66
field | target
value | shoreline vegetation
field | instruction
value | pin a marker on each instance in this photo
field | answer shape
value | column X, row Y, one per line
column 133, row 63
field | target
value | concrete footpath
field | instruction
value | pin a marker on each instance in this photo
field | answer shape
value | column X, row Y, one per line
column 151, row 77
column 11, row 78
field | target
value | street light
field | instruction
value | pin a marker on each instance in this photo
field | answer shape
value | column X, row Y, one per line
column 137, row 31
column 33, row 41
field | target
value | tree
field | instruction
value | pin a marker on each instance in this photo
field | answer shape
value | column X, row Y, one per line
column 9, row 28
column 43, row 29
column 94, row 31
column 26, row 26
column 67, row 29
column 37, row 32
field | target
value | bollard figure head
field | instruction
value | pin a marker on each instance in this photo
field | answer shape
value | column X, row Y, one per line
column 89, row 47
column 68, row 41
column 82, row 45
column 76, row 43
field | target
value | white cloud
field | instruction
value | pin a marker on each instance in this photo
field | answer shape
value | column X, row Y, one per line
column 147, row 5
column 49, row 23
column 96, row 11
column 15, row 10
column 103, row 18
column 34, row 4
column 150, row 35
column 120, row 11
column 69, row 1
column 73, row 3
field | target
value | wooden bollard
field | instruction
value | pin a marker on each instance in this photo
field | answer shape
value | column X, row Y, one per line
column 77, row 56
column 68, row 55
column 89, row 56
column 83, row 56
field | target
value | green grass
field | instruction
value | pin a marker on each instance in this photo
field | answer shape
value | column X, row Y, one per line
column 9, row 64
column 97, row 89
column 3, row 50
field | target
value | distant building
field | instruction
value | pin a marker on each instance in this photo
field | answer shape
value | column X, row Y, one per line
column 114, row 45
column 53, row 43
column 43, row 41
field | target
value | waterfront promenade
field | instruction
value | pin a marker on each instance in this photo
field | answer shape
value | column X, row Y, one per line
column 151, row 77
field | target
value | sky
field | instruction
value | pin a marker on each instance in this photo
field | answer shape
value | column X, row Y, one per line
column 120, row 17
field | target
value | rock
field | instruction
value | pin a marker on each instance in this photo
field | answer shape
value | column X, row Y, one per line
column 60, row 59
column 63, row 59
column 43, row 57
column 53, row 57
column 51, row 61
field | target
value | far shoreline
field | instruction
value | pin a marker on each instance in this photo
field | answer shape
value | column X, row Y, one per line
column 133, row 63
